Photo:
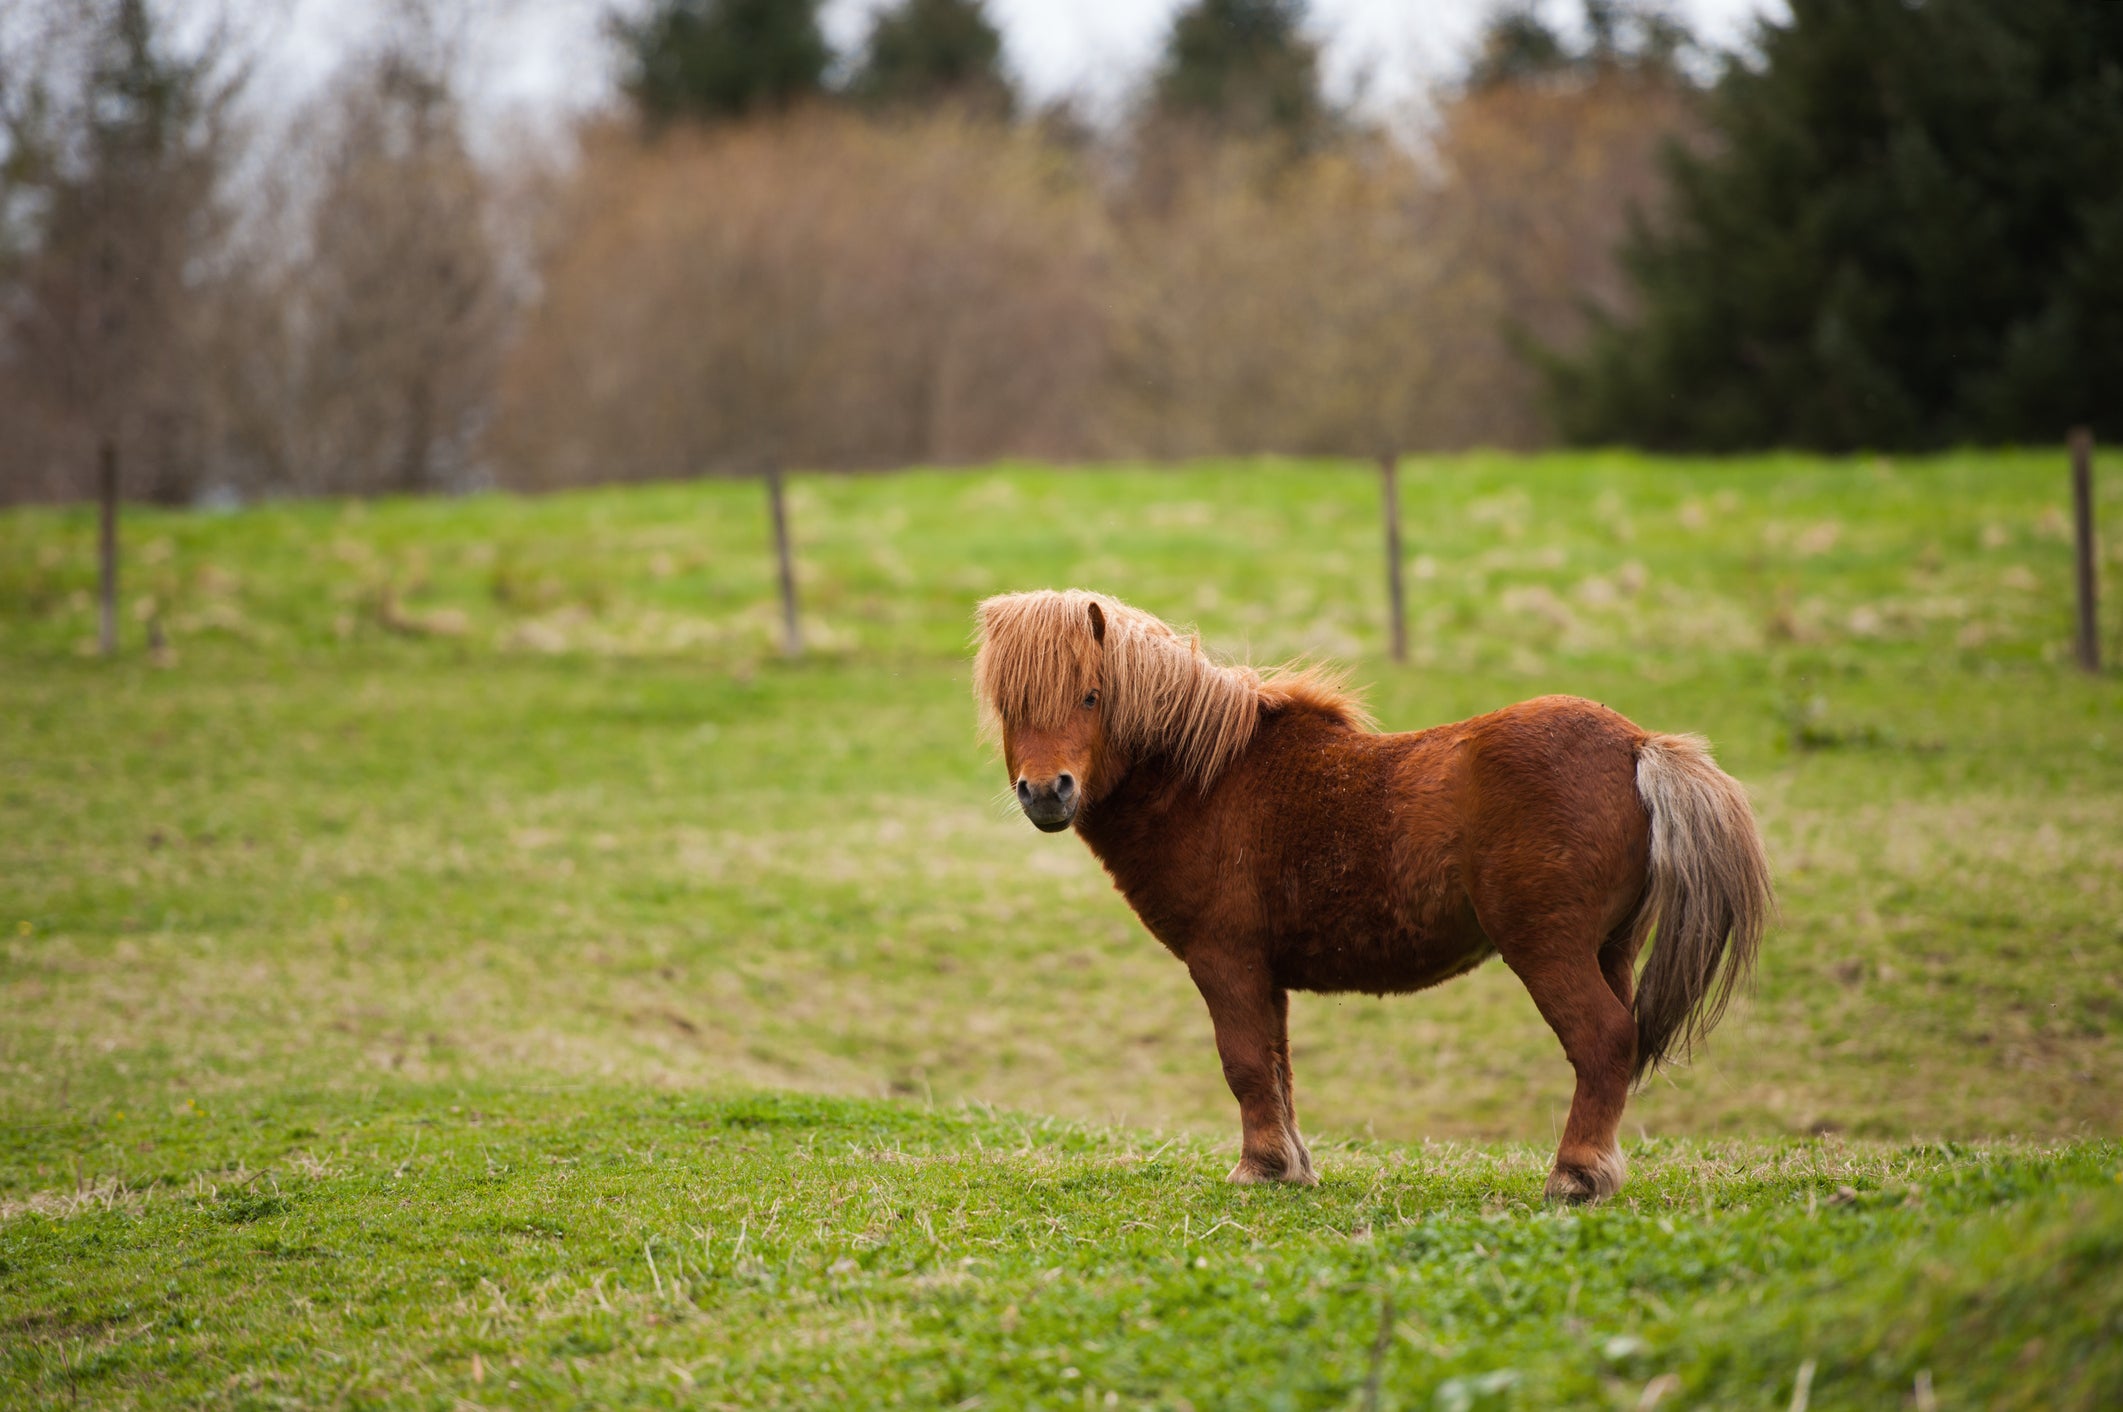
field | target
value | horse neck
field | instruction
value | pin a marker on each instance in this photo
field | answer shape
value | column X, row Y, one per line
column 1150, row 811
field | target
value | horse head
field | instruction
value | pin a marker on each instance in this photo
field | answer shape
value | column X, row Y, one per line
column 1054, row 750
column 1079, row 688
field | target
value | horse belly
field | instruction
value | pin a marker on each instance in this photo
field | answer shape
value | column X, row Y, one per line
column 1387, row 958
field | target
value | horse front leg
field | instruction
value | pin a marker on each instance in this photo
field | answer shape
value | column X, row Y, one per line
column 1252, row 1019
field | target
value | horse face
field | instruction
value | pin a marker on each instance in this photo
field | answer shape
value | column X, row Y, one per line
column 1052, row 768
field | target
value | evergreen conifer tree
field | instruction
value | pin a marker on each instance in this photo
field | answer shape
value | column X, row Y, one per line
column 718, row 59
column 924, row 52
column 1520, row 45
column 1907, row 233
column 1243, row 67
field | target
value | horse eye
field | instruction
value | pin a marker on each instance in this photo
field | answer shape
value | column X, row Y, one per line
column 1090, row 699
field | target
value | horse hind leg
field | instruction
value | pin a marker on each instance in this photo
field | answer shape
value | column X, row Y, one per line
column 1618, row 960
column 1577, row 996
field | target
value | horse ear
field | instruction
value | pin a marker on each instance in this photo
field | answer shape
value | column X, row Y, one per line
column 1098, row 623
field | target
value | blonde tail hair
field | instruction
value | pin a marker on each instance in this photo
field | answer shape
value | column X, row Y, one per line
column 1707, row 893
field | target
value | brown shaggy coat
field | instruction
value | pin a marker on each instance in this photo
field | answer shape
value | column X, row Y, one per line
column 1274, row 841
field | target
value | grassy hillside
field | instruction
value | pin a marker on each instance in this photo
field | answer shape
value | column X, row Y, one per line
column 510, row 806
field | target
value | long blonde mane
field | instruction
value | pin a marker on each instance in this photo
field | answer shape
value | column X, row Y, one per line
column 1162, row 693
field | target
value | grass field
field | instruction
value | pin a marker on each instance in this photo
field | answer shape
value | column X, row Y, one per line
column 415, row 971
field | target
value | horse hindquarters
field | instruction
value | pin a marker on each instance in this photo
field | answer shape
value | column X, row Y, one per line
column 1555, row 850
column 1569, row 899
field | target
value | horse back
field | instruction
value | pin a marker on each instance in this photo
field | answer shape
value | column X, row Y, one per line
column 1552, row 825
column 1393, row 856
column 1349, row 860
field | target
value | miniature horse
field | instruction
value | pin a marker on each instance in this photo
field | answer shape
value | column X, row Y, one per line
column 1268, row 835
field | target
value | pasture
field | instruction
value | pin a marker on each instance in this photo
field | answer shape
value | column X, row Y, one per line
column 465, row 963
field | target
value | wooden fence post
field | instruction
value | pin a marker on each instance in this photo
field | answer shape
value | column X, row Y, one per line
column 1390, row 475
column 107, row 545
column 2082, row 499
column 791, row 637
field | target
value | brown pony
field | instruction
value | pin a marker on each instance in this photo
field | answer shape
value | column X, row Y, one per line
column 1268, row 835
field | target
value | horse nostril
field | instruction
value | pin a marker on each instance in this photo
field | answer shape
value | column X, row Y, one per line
column 1024, row 790
column 1065, row 785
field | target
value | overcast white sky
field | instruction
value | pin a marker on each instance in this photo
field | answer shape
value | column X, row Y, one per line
column 550, row 56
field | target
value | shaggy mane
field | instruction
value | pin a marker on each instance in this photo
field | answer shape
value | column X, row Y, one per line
column 1163, row 694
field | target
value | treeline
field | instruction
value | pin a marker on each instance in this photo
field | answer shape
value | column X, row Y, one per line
column 237, row 303
column 1895, row 226
column 755, row 262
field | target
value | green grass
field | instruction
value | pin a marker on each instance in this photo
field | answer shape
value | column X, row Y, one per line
column 457, row 904
column 613, row 1247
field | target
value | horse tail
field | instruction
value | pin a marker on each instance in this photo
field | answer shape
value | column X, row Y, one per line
column 1706, row 892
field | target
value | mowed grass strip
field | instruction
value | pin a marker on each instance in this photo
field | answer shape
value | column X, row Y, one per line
column 436, row 1247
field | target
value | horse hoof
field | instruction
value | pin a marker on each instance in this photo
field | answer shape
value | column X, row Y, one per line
column 1251, row 1173
column 1575, row 1186
column 1569, row 1188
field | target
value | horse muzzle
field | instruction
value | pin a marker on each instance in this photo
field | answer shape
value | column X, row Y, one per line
column 1051, row 805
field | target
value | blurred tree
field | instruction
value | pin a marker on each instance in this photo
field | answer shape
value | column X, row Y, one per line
column 926, row 52
column 1243, row 68
column 116, row 146
column 827, row 291
column 1550, row 146
column 1544, row 179
column 401, row 314
column 1317, row 304
column 716, row 59
column 1909, row 232
column 352, row 345
column 1519, row 45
